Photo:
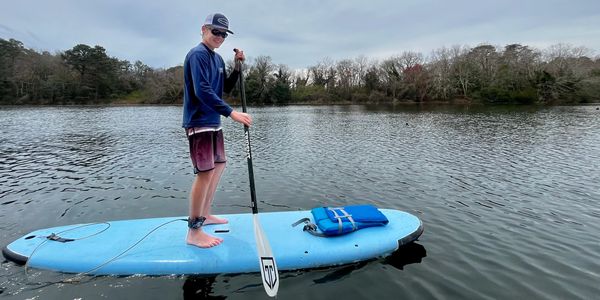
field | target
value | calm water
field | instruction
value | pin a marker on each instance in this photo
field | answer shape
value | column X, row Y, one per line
column 510, row 197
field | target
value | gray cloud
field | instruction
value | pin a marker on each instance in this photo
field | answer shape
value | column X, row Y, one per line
column 298, row 33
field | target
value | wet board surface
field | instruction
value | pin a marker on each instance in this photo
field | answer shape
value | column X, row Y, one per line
column 157, row 246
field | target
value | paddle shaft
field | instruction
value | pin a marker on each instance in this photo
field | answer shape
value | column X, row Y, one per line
column 248, row 148
column 268, row 266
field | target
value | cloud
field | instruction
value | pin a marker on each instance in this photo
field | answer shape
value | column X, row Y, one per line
column 298, row 33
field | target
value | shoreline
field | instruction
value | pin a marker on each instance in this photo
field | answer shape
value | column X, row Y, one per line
column 347, row 103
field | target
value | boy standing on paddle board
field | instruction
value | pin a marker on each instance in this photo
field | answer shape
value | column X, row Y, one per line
column 203, row 105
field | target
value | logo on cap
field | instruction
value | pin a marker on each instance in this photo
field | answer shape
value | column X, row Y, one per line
column 223, row 21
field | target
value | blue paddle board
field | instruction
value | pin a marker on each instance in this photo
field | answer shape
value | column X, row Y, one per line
column 157, row 246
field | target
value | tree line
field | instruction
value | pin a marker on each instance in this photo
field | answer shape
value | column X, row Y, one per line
column 516, row 74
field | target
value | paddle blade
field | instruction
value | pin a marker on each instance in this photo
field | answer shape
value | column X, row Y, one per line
column 268, row 267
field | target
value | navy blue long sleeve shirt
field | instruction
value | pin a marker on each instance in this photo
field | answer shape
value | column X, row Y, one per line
column 204, row 76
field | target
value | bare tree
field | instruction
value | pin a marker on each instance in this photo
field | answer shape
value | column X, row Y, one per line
column 563, row 59
column 440, row 68
column 319, row 74
column 345, row 76
column 462, row 69
column 300, row 77
column 361, row 64
column 391, row 75
column 409, row 59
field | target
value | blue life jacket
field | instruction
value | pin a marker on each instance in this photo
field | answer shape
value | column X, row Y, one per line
column 332, row 221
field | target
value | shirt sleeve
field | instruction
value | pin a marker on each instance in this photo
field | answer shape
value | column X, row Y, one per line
column 200, row 67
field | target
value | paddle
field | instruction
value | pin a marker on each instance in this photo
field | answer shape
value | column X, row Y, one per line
column 268, row 267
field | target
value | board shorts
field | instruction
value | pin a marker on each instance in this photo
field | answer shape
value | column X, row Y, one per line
column 207, row 147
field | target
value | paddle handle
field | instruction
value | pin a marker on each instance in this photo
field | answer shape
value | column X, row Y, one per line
column 247, row 136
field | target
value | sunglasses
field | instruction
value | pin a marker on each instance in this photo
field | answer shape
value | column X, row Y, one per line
column 218, row 32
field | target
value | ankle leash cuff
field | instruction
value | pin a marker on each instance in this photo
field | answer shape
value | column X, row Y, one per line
column 196, row 223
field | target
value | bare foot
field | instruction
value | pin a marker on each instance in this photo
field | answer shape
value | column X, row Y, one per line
column 212, row 219
column 197, row 237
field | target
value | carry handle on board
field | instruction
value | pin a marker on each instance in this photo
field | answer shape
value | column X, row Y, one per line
column 268, row 267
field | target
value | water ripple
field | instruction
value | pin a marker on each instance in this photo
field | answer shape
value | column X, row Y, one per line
column 509, row 197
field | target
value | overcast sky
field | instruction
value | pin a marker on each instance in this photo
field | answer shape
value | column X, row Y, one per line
column 298, row 33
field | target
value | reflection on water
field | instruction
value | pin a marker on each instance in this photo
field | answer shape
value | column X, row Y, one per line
column 340, row 273
column 196, row 287
column 203, row 287
column 408, row 254
column 508, row 195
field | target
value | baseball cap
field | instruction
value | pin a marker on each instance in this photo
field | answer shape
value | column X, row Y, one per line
column 218, row 21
